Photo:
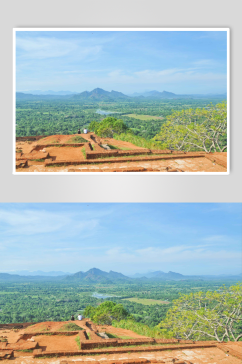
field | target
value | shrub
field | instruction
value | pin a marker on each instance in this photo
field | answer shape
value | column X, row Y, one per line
column 140, row 329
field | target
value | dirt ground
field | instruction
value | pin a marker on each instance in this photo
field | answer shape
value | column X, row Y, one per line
column 47, row 342
column 235, row 346
column 50, row 326
column 56, row 342
column 119, row 332
column 66, row 153
column 12, row 336
column 196, row 356
column 187, row 165
column 61, row 139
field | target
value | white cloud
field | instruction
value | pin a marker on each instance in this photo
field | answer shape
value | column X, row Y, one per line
column 170, row 76
column 216, row 238
column 33, row 222
column 176, row 75
column 174, row 254
column 42, row 48
column 205, row 63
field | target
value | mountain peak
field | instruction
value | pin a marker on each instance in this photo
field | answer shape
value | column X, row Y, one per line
column 98, row 90
column 98, row 94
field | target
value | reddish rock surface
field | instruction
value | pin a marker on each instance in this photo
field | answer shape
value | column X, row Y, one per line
column 60, row 153
column 46, row 340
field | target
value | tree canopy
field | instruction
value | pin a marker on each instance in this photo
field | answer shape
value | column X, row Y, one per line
column 108, row 127
column 206, row 315
column 203, row 129
column 105, row 313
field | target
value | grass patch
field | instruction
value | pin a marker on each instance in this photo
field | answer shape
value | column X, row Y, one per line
column 111, row 336
column 77, row 340
column 26, row 350
column 77, row 139
column 112, row 146
column 37, row 160
column 132, row 156
column 46, row 333
column 66, row 146
column 139, row 328
column 127, row 346
column 89, row 336
column 124, row 148
column 139, row 141
column 136, row 345
column 70, row 326
column 93, row 146
column 19, row 151
column 84, row 152
column 126, row 337
column 144, row 117
column 57, row 165
column 147, row 301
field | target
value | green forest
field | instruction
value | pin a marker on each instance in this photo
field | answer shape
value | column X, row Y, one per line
column 57, row 301
column 46, row 117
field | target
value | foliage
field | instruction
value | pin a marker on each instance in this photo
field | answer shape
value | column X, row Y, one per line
column 106, row 313
column 207, row 315
column 57, row 300
column 51, row 117
column 196, row 129
column 77, row 139
column 140, row 329
column 108, row 127
column 84, row 152
column 78, row 341
column 139, row 141
column 147, row 301
column 70, row 326
column 93, row 126
column 143, row 117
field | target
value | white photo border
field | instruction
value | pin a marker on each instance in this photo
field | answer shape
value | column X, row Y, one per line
column 15, row 30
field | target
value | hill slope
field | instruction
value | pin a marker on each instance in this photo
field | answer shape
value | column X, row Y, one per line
column 97, row 275
column 98, row 94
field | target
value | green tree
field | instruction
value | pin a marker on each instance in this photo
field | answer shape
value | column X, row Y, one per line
column 105, row 313
column 108, row 127
column 93, row 126
column 206, row 315
column 196, row 129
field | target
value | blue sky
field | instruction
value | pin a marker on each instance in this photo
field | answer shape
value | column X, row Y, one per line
column 128, row 238
column 127, row 61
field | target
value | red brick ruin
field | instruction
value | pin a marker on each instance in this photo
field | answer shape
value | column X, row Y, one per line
column 57, row 153
column 46, row 340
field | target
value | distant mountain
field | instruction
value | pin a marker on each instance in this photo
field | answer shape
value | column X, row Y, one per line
column 24, row 96
column 155, row 94
column 9, row 277
column 170, row 95
column 160, row 275
column 98, row 94
column 49, row 92
column 137, row 275
column 19, row 278
column 96, row 275
column 40, row 273
column 160, row 95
